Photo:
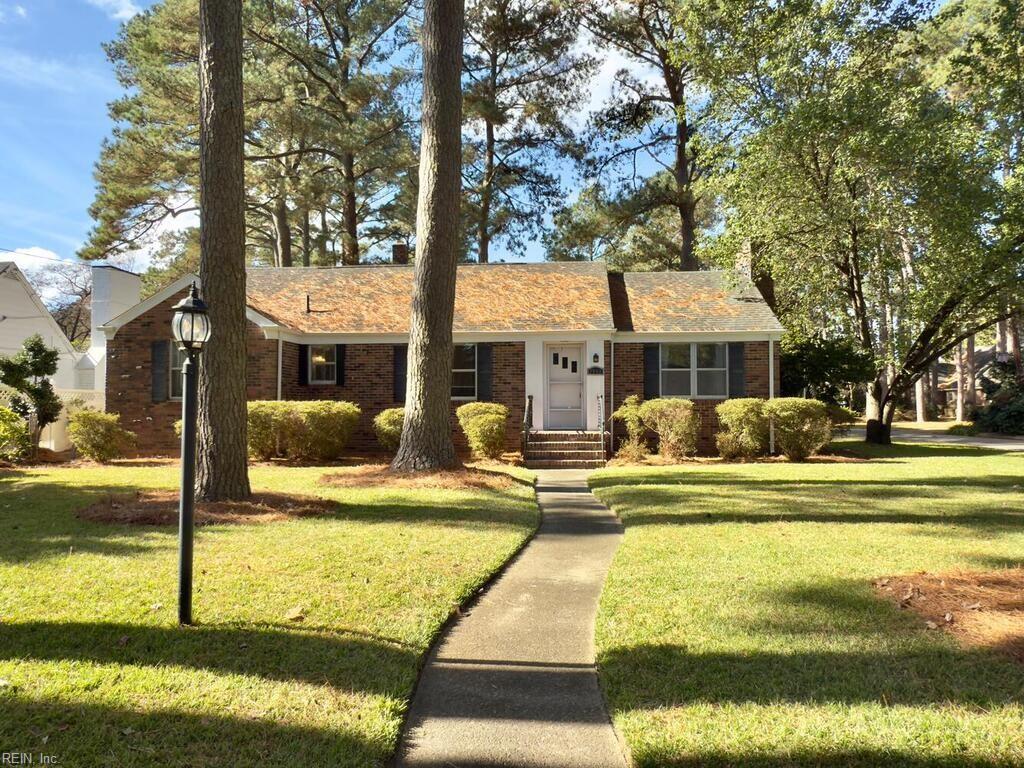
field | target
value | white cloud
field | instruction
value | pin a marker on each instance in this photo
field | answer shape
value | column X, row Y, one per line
column 26, row 71
column 121, row 10
column 32, row 259
column 20, row 12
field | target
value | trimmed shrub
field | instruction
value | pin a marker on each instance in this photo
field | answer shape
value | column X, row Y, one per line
column 802, row 426
column 387, row 425
column 484, row 425
column 963, row 428
column 675, row 422
column 99, row 436
column 744, row 432
column 841, row 418
column 15, row 439
column 301, row 429
column 269, row 422
column 323, row 429
column 634, row 447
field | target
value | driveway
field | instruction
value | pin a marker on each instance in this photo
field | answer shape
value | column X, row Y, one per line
column 992, row 442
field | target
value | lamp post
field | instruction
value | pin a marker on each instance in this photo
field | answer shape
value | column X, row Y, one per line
column 191, row 329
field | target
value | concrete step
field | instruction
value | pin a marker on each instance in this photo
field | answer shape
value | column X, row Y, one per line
column 565, row 464
column 534, row 455
column 564, row 445
column 565, row 437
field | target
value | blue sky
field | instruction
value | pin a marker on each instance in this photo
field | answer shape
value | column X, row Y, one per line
column 55, row 83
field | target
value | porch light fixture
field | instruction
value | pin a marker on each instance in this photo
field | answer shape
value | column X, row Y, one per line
column 191, row 329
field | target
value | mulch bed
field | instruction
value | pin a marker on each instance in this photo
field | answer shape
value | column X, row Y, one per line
column 379, row 475
column 983, row 609
column 161, row 508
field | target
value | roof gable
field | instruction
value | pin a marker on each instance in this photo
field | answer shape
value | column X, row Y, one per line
column 559, row 296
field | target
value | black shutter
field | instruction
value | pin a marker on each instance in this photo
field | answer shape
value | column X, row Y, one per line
column 401, row 357
column 737, row 375
column 339, row 364
column 303, row 365
column 484, row 372
column 652, row 371
column 159, row 362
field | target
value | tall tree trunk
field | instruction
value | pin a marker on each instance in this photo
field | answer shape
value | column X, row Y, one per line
column 350, row 233
column 959, row 368
column 222, row 473
column 972, row 374
column 919, row 400
column 879, row 427
column 306, row 238
column 322, row 238
column 483, row 227
column 686, row 204
column 1001, row 346
column 282, row 233
column 1014, row 342
column 426, row 433
column 934, row 390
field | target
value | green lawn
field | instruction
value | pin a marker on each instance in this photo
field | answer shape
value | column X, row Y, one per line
column 738, row 626
column 96, row 671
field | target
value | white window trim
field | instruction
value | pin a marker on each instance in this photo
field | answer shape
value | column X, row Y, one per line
column 476, row 375
column 173, row 355
column 309, row 363
column 693, row 370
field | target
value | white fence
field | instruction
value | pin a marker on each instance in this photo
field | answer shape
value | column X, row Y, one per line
column 55, row 436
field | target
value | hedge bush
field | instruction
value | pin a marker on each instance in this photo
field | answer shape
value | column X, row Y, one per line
column 675, row 422
column 484, row 425
column 745, row 430
column 15, row 440
column 802, row 427
column 99, row 436
column 301, row 429
column 634, row 447
column 387, row 425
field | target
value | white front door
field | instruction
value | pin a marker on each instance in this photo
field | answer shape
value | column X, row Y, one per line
column 565, row 386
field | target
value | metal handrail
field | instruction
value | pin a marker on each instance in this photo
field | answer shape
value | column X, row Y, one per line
column 527, row 423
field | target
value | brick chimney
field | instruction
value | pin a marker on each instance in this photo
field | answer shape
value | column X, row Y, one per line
column 399, row 253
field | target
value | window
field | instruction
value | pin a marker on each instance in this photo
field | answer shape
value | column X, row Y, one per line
column 675, row 370
column 177, row 363
column 694, row 370
column 464, row 372
column 712, row 370
column 323, row 364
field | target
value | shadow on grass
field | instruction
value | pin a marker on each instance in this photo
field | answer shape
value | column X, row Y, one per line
column 655, row 676
column 90, row 735
column 337, row 659
column 37, row 519
column 858, row 758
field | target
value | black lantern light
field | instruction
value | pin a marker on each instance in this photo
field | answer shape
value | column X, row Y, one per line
column 191, row 329
column 191, row 324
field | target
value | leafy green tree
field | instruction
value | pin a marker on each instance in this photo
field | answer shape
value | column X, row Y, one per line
column 822, row 368
column 665, row 118
column 27, row 373
column 522, row 77
column 870, row 196
column 328, row 140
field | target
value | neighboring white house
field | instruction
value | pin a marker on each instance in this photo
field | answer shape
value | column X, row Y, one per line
column 81, row 374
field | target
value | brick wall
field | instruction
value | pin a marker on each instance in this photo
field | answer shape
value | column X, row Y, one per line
column 629, row 380
column 368, row 382
column 130, row 377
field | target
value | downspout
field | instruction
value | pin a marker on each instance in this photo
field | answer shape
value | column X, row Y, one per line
column 280, row 363
column 611, row 404
column 771, row 395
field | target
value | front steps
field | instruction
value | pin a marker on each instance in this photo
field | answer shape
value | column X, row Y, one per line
column 565, row 450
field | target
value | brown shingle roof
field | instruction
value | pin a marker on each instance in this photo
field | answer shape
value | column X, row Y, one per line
column 690, row 302
column 567, row 296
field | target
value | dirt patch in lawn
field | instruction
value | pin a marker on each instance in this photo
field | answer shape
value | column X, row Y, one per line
column 378, row 475
column 981, row 608
column 161, row 508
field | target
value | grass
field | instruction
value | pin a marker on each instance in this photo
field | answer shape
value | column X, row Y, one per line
column 738, row 625
column 96, row 671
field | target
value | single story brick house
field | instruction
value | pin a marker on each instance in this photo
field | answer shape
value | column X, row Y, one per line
column 573, row 338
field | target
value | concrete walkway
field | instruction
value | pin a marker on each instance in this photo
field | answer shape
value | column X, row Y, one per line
column 513, row 682
column 991, row 442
